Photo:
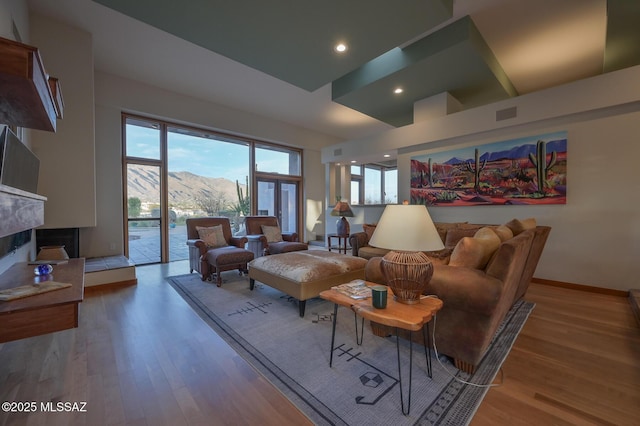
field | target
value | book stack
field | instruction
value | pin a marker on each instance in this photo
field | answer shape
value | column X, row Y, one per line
column 356, row 289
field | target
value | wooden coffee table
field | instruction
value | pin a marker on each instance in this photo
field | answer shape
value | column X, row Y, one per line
column 398, row 315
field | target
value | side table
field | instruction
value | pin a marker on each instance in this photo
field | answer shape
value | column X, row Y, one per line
column 398, row 315
column 254, row 244
column 342, row 242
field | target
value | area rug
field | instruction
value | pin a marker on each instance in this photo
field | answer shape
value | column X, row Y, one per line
column 362, row 386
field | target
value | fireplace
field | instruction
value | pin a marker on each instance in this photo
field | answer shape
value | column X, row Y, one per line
column 67, row 237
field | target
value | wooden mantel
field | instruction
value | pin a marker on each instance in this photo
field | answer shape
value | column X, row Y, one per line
column 19, row 210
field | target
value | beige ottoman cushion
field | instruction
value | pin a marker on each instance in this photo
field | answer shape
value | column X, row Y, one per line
column 304, row 274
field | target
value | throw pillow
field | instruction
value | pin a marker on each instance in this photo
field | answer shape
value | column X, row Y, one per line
column 468, row 253
column 369, row 229
column 213, row 236
column 272, row 233
column 504, row 232
column 487, row 233
column 475, row 252
column 519, row 226
column 456, row 234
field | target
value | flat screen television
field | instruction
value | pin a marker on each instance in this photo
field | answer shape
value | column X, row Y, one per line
column 19, row 167
column 13, row 242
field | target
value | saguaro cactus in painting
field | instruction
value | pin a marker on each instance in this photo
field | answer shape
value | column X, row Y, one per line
column 539, row 161
column 476, row 169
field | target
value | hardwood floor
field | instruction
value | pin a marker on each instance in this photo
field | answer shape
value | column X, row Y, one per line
column 576, row 361
column 142, row 356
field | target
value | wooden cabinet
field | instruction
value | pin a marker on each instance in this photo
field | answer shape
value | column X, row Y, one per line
column 28, row 96
column 43, row 313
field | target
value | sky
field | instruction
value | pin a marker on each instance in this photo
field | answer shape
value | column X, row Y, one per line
column 203, row 156
column 467, row 153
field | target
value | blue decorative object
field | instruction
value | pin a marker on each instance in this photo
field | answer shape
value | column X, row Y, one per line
column 43, row 269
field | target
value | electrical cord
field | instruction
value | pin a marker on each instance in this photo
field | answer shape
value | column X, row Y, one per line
column 435, row 349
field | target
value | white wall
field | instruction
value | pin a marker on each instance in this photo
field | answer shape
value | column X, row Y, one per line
column 14, row 12
column 67, row 169
column 313, row 198
column 595, row 237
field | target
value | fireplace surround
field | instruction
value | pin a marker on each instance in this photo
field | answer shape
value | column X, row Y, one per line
column 67, row 237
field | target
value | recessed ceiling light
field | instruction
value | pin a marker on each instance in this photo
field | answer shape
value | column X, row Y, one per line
column 387, row 155
column 398, row 90
column 353, row 161
column 340, row 48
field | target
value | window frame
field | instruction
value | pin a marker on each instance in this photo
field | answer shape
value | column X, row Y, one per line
column 162, row 162
column 361, row 180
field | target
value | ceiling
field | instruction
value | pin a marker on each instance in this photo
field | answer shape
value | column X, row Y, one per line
column 276, row 58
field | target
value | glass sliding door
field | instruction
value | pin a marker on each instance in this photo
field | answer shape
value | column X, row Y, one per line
column 279, row 198
column 143, row 214
column 208, row 175
column 288, row 206
column 266, row 198
column 143, row 189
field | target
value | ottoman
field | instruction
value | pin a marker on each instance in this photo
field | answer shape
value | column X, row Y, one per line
column 304, row 274
column 227, row 258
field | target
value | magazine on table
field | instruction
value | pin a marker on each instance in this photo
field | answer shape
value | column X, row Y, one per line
column 356, row 289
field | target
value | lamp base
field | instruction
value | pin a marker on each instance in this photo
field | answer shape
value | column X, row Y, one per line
column 408, row 274
column 342, row 226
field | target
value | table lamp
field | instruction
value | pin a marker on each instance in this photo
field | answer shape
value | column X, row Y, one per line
column 342, row 209
column 407, row 230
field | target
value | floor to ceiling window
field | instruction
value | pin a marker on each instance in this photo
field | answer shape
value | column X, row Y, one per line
column 278, row 181
column 143, row 169
column 174, row 172
column 208, row 175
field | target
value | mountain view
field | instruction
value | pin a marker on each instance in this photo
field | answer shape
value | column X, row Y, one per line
column 517, row 152
column 184, row 187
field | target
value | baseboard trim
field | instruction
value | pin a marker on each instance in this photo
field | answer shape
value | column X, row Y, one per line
column 111, row 286
column 581, row 287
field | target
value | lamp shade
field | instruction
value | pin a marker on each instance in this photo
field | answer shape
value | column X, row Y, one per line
column 406, row 227
column 342, row 209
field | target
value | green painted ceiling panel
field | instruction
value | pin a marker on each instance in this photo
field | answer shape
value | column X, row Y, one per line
column 623, row 35
column 292, row 40
column 454, row 59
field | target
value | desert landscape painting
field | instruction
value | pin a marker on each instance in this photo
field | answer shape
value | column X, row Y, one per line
column 529, row 170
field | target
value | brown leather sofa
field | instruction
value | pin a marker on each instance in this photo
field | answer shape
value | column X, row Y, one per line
column 476, row 299
column 450, row 233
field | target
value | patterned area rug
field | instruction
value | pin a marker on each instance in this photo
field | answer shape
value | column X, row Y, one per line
column 362, row 387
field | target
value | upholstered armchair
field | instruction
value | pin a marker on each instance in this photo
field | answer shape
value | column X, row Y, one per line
column 273, row 240
column 213, row 249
